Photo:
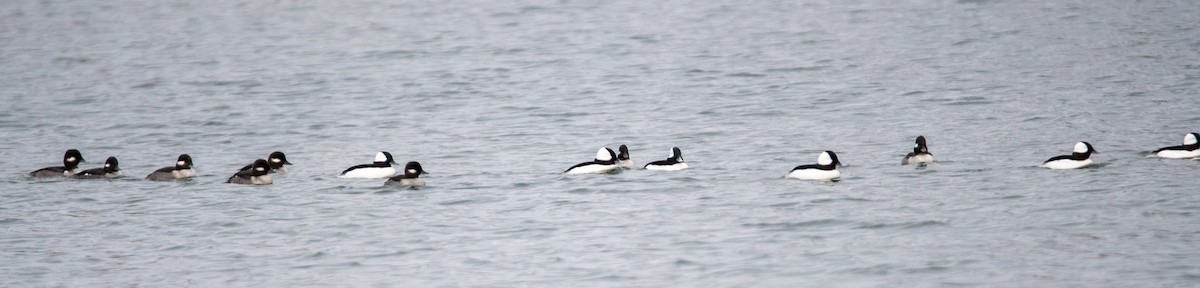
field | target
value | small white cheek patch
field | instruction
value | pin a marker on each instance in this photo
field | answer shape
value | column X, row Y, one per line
column 259, row 169
column 107, row 165
column 412, row 170
column 180, row 163
column 276, row 160
column 71, row 159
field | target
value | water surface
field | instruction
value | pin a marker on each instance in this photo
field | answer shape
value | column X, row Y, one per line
column 496, row 99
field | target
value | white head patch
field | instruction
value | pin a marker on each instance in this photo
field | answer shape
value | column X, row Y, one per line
column 379, row 157
column 1189, row 139
column 603, row 155
column 70, row 159
column 258, row 168
column 106, row 165
column 824, row 159
column 412, row 171
column 1081, row 148
column 276, row 160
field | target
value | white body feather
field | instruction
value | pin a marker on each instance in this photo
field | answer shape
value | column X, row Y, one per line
column 1178, row 154
column 184, row 173
column 371, row 173
column 594, row 169
column 672, row 167
column 626, row 164
column 919, row 158
column 815, row 174
column 1067, row 164
column 408, row 182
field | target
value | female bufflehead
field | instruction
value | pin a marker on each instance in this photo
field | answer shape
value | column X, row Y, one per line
column 276, row 161
column 825, row 169
column 409, row 179
column 673, row 163
column 182, row 170
column 382, row 168
column 920, row 154
column 1079, row 158
column 623, row 158
column 256, row 175
column 110, row 170
column 604, row 163
column 1189, row 149
column 71, row 161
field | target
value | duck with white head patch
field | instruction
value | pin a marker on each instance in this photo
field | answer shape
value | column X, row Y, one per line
column 920, row 154
column 410, row 178
column 275, row 163
column 623, row 158
column 673, row 163
column 1189, row 149
column 71, row 160
column 255, row 175
column 382, row 168
column 604, row 163
column 110, row 170
column 1080, row 157
column 825, row 169
column 181, row 170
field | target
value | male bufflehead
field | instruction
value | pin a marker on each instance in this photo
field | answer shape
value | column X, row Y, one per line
column 920, row 154
column 110, row 170
column 275, row 162
column 623, row 158
column 673, row 163
column 382, row 168
column 825, row 169
column 256, row 175
column 181, row 170
column 605, row 163
column 1079, row 158
column 1189, row 149
column 409, row 179
column 71, row 161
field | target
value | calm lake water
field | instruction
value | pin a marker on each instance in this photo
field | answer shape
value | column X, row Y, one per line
column 496, row 99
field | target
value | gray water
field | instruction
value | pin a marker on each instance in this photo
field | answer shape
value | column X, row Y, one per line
column 496, row 99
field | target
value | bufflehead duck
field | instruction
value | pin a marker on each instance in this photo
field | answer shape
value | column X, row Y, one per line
column 256, row 175
column 673, row 163
column 825, row 169
column 920, row 154
column 409, row 179
column 181, row 170
column 1079, row 158
column 110, row 170
column 623, row 158
column 604, row 163
column 382, row 168
column 275, row 162
column 71, row 161
column 1189, row 149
